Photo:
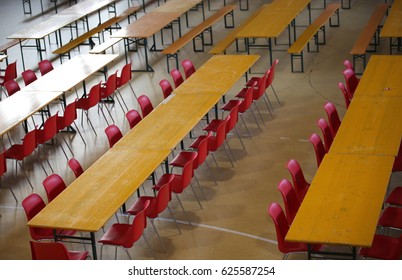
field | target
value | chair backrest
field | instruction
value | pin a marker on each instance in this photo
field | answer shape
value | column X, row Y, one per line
column 49, row 251
column 162, row 198
column 351, row 81
column 53, row 185
column 281, row 225
column 45, row 66
column 299, row 181
column 219, row 138
column 188, row 67
column 326, row 133
column 3, row 163
column 259, row 91
column 133, row 118
column 348, row 64
column 32, row 205
column 113, row 134
column 166, row 87
column 76, row 167
column 271, row 74
column 29, row 76
column 110, row 86
column 233, row 116
column 50, row 129
column 202, row 150
column 290, row 199
column 333, row 117
column 145, row 105
column 345, row 94
column 319, row 148
column 94, row 95
column 10, row 72
column 29, row 143
column 125, row 74
column 188, row 170
column 248, row 99
column 11, row 87
column 177, row 77
column 70, row 115
column 137, row 227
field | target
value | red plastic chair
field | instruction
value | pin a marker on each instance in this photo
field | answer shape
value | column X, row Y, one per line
column 19, row 152
column 166, row 88
column 133, row 118
column 3, row 170
column 290, row 200
column 68, row 119
column 113, row 134
column 53, row 185
column 395, row 197
column 282, row 227
column 125, row 235
column 383, row 247
column 145, row 105
column 29, row 76
column 348, row 64
column 299, row 181
column 10, row 74
column 45, row 66
column 11, row 87
column 333, row 118
column 188, row 68
column 319, row 148
column 76, row 167
column 351, row 81
column 157, row 204
column 89, row 102
column 107, row 90
column 32, row 205
column 326, row 133
column 125, row 77
column 177, row 77
column 345, row 94
column 54, row 251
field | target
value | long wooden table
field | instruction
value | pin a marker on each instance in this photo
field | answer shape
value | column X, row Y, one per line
column 345, row 199
column 54, row 24
column 32, row 98
column 272, row 20
column 151, row 23
column 392, row 28
column 89, row 202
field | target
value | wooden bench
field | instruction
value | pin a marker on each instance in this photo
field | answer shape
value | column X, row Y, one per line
column 371, row 31
column 107, row 25
column 312, row 31
column 221, row 46
column 198, row 32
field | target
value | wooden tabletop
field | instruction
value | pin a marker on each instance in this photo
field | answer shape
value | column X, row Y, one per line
column 393, row 22
column 273, row 19
column 343, row 203
column 215, row 76
column 21, row 105
column 382, row 77
column 60, row 20
column 71, row 72
column 176, row 6
column 96, row 195
column 372, row 126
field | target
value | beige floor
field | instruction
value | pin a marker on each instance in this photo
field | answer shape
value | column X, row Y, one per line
column 233, row 223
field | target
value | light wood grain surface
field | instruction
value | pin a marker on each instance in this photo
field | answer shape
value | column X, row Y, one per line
column 176, row 6
column 393, row 22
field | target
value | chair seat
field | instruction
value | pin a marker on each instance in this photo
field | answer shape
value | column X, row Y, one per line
column 15, row 152
column 197, row 142
column 213, row 125
column 82, row 103
column 391, row 217
column 175, row 182
column 241, row 93
column 40, row 137
column 139, row 205
column 117, row 235
column 395, row 197
column 383, row 247
column 229, row 105
column 252, row 80
column 77, row 255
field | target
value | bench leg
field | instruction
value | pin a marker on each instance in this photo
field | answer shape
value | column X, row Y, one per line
column 337, row 20
column 243, row 8
column 232, row 24
column 175, row 57
column 344, row 6
column 28, row 2
column 297, row 56
column 201, row 37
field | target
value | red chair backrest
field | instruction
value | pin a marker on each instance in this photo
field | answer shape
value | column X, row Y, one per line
column 53, row 185
column 345, row 94
column 70, row 115
column 319, row 148
column 50, row 129
column 3, row 163
column 348, row 64
column 29, row 143
column 259, row 91
column 45, row 66
column 188, row 67
column 32, row 205
column 110, row 86
column 271, row 74
column 75, row 167
column 48, row 251
column 248, row 99
column 233, row 117
column 137, row 227
column 113, row 134
column 351, row 81
column 94, row 95
column 219, row 138
column 202, row 150
column 326, row 133
column 299, row 181
column 177, row 77
column 162, row 198
column 133, row 118
column 125, row 75
column 290, row 199
column 145, row 105
column 11, row 87
column 166, row 88
column 28, row 76
column 281, row 225
column 10, row 72
column 333, row 117
column 187, row 172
